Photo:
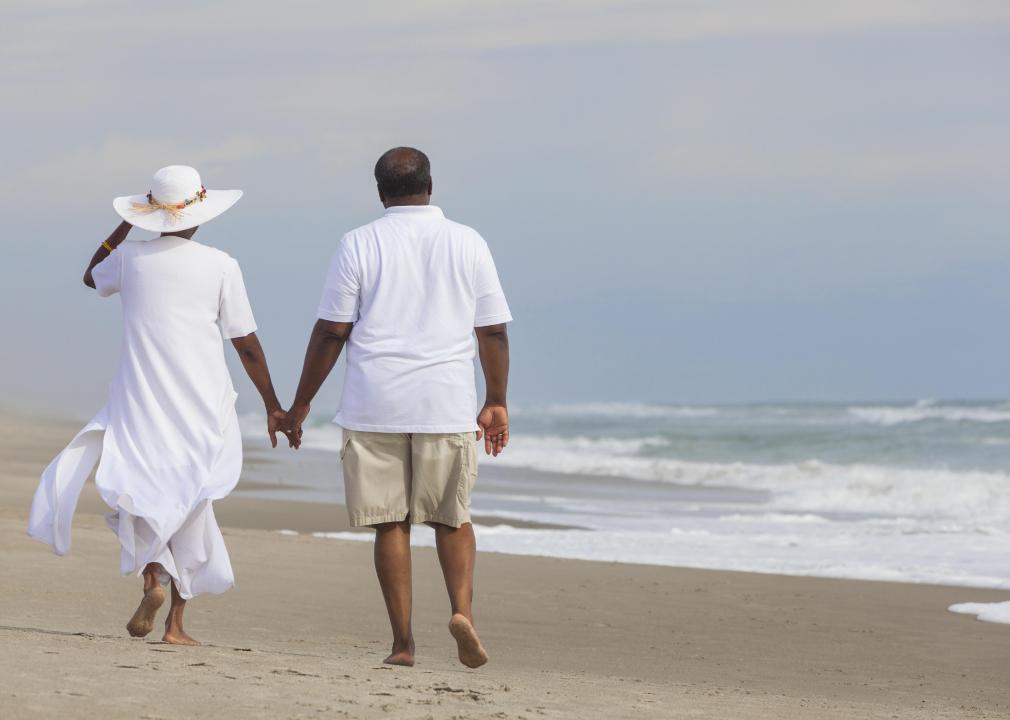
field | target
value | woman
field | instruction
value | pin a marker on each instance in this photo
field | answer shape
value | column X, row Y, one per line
column 168, row 437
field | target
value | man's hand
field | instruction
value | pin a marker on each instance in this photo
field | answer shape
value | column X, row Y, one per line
column 292, row 424
column 493, row 421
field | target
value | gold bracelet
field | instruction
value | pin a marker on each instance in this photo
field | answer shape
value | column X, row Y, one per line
column 108, row 247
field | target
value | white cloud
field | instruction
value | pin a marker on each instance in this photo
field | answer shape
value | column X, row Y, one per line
column 826, row 169
column 447, row 25
column 121, row 159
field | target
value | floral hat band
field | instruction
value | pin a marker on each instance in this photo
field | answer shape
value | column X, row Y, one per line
column 177, row 200
column 174, row 209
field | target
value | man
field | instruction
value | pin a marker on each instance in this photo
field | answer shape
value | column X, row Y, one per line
column 406, row 294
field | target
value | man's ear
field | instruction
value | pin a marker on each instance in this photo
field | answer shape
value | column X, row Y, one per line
column 382, row 198
column 429, row 187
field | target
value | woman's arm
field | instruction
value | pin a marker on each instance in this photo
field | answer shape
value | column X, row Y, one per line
column 255, row 363
column 113, row 241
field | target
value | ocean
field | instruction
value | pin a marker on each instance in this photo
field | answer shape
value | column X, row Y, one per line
column 912, row 491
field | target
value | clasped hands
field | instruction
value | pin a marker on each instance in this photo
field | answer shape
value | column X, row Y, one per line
column 493, row 421
column 287, row 422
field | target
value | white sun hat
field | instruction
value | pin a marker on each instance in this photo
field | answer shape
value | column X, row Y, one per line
column 176, row 201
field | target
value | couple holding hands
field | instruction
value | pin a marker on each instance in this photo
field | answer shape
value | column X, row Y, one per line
column 405, row 294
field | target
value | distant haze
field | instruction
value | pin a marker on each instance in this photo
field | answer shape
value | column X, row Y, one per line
column 687, row 201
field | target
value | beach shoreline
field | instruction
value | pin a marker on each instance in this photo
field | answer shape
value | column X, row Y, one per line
column 303, row 632
column 895, row 492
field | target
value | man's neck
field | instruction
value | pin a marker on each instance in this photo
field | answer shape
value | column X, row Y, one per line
column 421, row 199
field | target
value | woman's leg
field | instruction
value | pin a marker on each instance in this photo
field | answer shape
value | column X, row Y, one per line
column 173, row 623
column 142, row 622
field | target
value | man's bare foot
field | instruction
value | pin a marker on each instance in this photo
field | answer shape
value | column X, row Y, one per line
column 178, row 637
column 142, row 622
column 471, row 652
column 401, row 656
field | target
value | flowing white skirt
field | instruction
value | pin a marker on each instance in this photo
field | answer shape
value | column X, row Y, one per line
column 181, row 534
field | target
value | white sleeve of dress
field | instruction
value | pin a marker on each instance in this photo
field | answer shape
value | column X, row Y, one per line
column 108, row 274
column 492, row 308
column 235, row 315
column 341, row 293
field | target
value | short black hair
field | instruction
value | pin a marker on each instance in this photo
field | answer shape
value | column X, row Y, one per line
column 403, row 171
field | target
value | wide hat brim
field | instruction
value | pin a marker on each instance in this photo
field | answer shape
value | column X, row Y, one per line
column 160, row 221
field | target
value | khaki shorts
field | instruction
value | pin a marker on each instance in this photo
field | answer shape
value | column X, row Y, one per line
column 427, row 477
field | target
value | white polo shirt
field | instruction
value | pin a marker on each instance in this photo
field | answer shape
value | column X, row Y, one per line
column 415, row 285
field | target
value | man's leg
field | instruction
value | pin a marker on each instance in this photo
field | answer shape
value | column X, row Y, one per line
column 457, row 553
column 392, row 565
column 377, row 478
column 173, row 623
column 142, row 622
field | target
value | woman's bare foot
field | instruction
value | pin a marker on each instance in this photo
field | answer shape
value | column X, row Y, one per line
column 401, row 655
column 174, row 633
column 142, row 622
column 177, row 636
column 471, row 652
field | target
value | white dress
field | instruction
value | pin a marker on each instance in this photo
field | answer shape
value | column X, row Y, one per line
column 167, row 441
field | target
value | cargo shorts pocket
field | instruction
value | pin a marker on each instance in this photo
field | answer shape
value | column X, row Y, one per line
column 345, row 441
column 467, row 468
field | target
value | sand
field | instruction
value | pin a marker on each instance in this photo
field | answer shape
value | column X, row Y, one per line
column 303, row 633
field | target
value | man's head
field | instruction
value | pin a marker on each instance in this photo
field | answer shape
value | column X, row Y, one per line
column 403, row 176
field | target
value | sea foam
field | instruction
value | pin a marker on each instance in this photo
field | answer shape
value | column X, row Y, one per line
column 928, row 410
column 988, row 612
column 979, row 498
column 914, row 492
column 626, row 410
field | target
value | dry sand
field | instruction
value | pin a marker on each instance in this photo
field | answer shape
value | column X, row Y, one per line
column 304, row 632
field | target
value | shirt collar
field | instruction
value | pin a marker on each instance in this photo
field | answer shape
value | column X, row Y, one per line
column 427, row 210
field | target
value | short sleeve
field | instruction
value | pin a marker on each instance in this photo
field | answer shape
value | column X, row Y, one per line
column 492, row 307
column 235, row 313
column 341, row 293
column 108, row 274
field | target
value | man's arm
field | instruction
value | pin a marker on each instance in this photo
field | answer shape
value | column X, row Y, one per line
column 113, row 241
column 255, row 363
column 493, row 420
column 325, row 345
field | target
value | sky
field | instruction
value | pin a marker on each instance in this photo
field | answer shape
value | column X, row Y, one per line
column 730, row 201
